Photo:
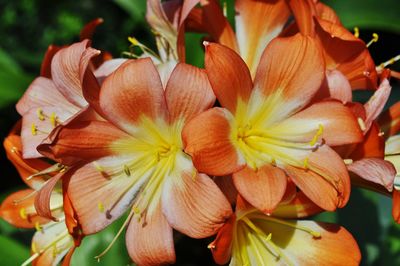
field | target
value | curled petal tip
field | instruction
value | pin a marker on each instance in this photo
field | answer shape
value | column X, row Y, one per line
column 206, row 43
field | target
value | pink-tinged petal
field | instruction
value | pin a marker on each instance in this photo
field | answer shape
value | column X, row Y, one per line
column 89, row 29
column 392, row 145
column 125, row 98
column 165, row 71
column 299, row 207
column 303, row 11
column 45, row 69
column 221, row 247
column 257, row 23
column 339, row 87
column 81, row 141
column 335, row 122
column 396, row 206
column 20, row 212
column 185, row 101
column 390, row 120
column 292, row 68
column 43, row 93
column 336, row 246
column 100, row 192
column 25, row 167
column 375, row 170
column 326, row 181
column 229, row 76
column 207, row 139
column 377, row 102
column 108, row 67
column 37, row 125
column 263, row 188
column 150, row 242
column 226, row 185
column 194, row 205
column 326, row 13
column 43, row 197
column 65, row 72
column 217, row 25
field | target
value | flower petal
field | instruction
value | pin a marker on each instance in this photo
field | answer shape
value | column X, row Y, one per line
column 185, row 101
column 291, row 68
column 45, row 68
column 375, row 170
column 299, row 207
column 339, row 87
column 257, row 23
column 150, row 242
column 229, row 76
column 207, row 139
column 373, row 145
column 65, row 72
column 377, row 102
column 194, row 205
column 303, row 11
column 396, row 206
column 225, row 184
column 221, row 247
column 89, row 29
column 108, row 67
column 263, row 188
column 390, row 120
column 125, row 98
column 326, row 182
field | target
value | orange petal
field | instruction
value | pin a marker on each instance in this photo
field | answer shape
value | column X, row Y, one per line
column 292, row 68
column 299, row 207
column 194, row 205
column 125, row 98
column 375, row 170
column 377, row 102
column 108, row 67
column 65, row 72
column 373, row 145
column 25, row 167
column 81, row 140
column 89, row 29
column 217, row 24
column 67, row 259
column 42, row 199
column 21, row 214
column 225, row 184
column 263, row 188
column 326, row 182
column 396, row 206
column 221, row 247
column 100, row 192
column 390, row 120
column 185, row 101
column 326, row 13
column 45, row 69
column 336, row 122
column 228, row 74
column 150, row 242
column 257, row 23
column 303, row 11
column 207, row 139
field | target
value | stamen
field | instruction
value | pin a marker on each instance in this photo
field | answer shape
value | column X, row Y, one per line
column 22, row 213
column 98, row 167
column 33, row 247
column 116, row 236
column 55, row 250
column 141, row 46
column 225, row 9
column 361, row 123
column 315, row 234
column 33, row 129
column 38, row 227
column 391, row 61
column 305, row 164
column 39, row 113
column 53, row 119
column 356, row 32
column 31, row 258
column 211, row 246
column 127, row 171
column 375, row 38
column 54, row 168
column 17, row 201
column 348, row 161
column 317, row 135
column 100, row 206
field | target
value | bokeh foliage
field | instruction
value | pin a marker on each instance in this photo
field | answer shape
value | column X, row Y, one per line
column 27, row 27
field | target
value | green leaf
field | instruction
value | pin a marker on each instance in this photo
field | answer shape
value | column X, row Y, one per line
column 371, row 14
column 11, row 252
column 135, row 8
column 93, row 245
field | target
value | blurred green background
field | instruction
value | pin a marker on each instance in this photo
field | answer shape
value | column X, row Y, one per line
column 27, row 27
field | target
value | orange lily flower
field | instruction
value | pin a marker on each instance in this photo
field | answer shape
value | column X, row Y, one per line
column 271, row 130
column 52, row 241
column 134, row 160
column 253, row 238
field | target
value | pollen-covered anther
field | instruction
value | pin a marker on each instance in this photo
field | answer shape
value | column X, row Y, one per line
column 319, row 133
column 211, row 246
column 127, row 171
column 356, row 32
column 53, row 119
column 40, row 114
column 100, row 206
column 34, row 129
column 22, row 213
column 375, row 38
column 38, row 227
column 361, row 123
column 391, row 61
column 348, row 161
column 305, row 164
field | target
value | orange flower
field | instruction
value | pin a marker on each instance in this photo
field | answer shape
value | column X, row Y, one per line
column 271, row 130
column 253, row 238
column 134, row 160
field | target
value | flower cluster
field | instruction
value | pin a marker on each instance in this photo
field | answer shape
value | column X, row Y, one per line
column 264, row 136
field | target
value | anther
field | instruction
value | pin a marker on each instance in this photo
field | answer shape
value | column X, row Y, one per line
column 273, row 162
column 348, row 161
column 38, row 227
column 53, row 119
column 317, row 135
column 305, row 163
column 33, row 129
column 361, row 123
column 33, row 247
column 98, row 167
column 211, row 246
column 127, row 171
column 134, row 41
column 356, row 32
column 225, row 9
column 22, row 213
column 375, row 38
column 40, row 114
column 100, row 206
column 388, row 62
